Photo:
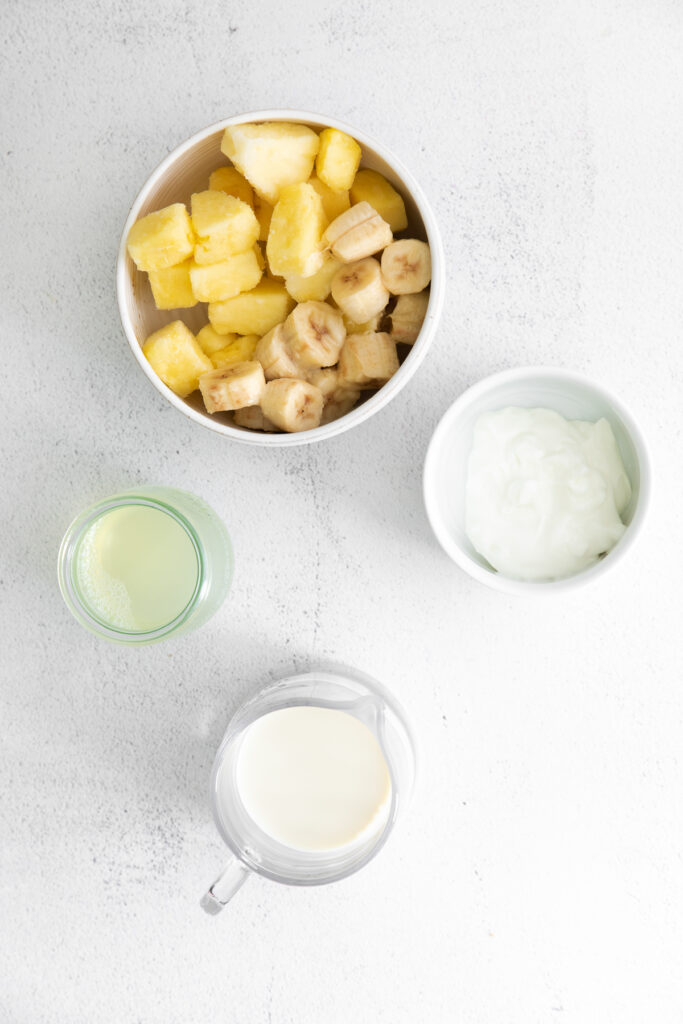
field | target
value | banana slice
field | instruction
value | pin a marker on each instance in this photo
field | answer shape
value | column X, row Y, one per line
column 232, row 387
column 252, row 417
column 368, row 327
column 367, row 360
column 339, row 403
column 292, row 405
column 357, row 233
column 327, row 380
column 275, row 356
column 359, row 291
column 406, row 266
column 314, row 333
column 407, row 317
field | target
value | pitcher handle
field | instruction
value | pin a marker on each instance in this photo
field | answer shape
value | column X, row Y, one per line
column 224, row 888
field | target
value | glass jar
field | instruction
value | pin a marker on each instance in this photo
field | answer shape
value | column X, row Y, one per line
column 199, row 536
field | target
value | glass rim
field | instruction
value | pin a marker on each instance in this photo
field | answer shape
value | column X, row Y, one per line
column 70, row 590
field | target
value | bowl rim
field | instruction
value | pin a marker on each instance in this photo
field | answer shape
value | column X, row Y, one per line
column 381, row 397
column 496, row 580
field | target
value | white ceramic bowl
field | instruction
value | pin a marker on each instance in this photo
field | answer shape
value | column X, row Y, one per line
column 445, row 473
column 186, row 170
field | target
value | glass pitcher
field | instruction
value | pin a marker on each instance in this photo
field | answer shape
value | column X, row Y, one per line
column 255, row 850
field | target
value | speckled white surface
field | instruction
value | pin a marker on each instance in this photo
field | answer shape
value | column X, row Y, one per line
column 539, row 877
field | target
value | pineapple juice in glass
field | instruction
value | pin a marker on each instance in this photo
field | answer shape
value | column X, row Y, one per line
column 145, row 564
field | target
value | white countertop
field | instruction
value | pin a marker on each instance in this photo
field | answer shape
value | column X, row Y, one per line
column 539, row 876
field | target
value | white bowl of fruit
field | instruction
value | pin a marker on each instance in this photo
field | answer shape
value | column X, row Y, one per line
column 280, row 277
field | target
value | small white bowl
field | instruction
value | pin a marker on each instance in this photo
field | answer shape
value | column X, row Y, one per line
column 186, row 170
column 445, row 473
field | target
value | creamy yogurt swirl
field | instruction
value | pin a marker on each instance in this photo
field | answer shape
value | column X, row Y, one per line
column 544, row 495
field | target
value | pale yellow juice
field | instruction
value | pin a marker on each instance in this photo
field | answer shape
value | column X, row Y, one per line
column 137, row 568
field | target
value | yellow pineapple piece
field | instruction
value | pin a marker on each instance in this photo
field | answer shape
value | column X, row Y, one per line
column 371, row 187
column 175, row 356
column 296, row 229
column 229, row 179
column 161, row 239
column 213, row 212
column 211, row 342
column 224, row 226
column 241, row 350
column 272, row 276
column 254, row 312
column 334, row 203
column 338, row 159
column 317, row 286
column 214, row 282
column 172, row 288
column 264, row 212
column 271, row 155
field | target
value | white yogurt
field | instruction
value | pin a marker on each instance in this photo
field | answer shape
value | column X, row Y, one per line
column 314, row 778
column 544, row 495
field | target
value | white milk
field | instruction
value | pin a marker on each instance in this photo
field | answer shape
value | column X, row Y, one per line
column 313, row 778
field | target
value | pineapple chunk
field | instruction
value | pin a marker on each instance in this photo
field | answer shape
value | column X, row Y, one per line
column 338, row 159
column 317, row 286
column 254, row 312
column 213, row 212
column 271, row 155
column 295, row 232
column 241, row 350
column 161, row 239
column 272, row 276
column 334, row 203
column 210, row 341
column 175, row 356
column 371, row 187
column 224, row 225
column 263, row 211
column 218, row 281
column 172, row 288
column 229, row 179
